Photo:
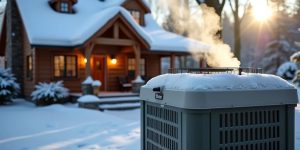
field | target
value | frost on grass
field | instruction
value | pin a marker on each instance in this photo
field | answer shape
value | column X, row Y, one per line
column 9, row 88
column 49, row 93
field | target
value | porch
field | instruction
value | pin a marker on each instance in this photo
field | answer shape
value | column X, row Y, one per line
column 119, row 51
column 111, row 101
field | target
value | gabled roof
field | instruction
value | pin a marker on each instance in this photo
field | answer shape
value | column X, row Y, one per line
column 168, row 41
column 46, row 27
column 142, row 4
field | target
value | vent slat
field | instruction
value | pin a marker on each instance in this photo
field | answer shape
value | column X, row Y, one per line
column 249, row 130
column 161, row 128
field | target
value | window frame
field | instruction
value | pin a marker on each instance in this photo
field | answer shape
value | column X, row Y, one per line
column 64, row 5
column 64, row 76
column 129, row 65
column 132, row 11
column 29, row 67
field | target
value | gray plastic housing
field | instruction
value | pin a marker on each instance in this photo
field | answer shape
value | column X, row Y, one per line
column 220, row 99
column 253, row 128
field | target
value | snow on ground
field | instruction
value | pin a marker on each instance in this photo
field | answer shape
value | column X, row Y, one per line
column 24, row 126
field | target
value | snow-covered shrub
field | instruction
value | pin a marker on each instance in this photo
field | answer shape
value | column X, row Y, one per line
column 277, row 52
column 49, row 93
column 287, row 70
column 295, row 57
column 9, row 88
column 296, row 80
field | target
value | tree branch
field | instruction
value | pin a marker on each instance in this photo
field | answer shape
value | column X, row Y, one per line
column 245, row 10
column 199, row 2
column 222, row 5
column 233, row 11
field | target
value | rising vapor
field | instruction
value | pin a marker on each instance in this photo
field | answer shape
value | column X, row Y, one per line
column 202, row 25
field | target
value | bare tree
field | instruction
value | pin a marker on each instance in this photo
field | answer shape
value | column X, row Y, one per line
column 235, row 8
column 216, row 4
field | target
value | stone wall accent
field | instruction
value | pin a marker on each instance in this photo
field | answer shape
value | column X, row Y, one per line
column 14, row 48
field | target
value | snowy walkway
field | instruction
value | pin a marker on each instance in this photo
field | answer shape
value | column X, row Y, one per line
column 26, row 127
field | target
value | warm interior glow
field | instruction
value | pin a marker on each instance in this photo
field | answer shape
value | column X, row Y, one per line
column 113, row 60
column 85, row 60
column 262, row 12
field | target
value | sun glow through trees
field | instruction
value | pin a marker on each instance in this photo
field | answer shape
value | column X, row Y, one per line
column 261, row 11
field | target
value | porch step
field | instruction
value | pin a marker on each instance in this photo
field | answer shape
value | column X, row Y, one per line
column 122, row 106
column 113, row 95
column 113, row 101
column 119, row 100
column 119, row 103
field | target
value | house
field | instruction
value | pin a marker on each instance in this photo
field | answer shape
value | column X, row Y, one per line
column 71, row 39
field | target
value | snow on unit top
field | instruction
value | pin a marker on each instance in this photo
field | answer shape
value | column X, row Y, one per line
column 217, row 82
column 44, row 26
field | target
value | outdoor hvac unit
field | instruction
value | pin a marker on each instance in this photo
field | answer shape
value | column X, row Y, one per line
column 210, row 119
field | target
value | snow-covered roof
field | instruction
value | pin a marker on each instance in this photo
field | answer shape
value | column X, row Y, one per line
column 167, row 41
column 217, row 82
column 44, row 26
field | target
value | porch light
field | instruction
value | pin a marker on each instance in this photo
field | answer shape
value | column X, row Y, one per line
column 85, row 60
column 113, row 59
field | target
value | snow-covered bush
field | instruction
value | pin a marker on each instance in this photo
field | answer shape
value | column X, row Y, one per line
column 49, row 93
column 287, row 70
column 276, row 53
column 296, row 80
column 295, row 57
column 9, row 88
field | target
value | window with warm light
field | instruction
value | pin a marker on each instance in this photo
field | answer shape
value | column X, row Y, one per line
column 64, row 7
column 65, row 66
column 29, row 67
column 136, row 15
column 131, row 65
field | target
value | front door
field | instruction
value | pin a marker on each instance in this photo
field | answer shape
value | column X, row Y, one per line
column 99, row 69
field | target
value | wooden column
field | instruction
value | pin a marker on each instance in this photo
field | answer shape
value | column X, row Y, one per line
column 88, row 52
column 116, row 31
column 172, row 61
column 137, row 53
column 202, row 63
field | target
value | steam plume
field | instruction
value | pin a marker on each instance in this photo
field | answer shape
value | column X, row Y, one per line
column 202, row 25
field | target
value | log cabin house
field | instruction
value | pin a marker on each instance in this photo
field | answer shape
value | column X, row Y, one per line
column 71, row 39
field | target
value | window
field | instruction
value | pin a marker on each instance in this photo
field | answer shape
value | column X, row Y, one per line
column 136, row 15
column 131, row 65
column 64, row 7
column 65, row 66
column 29, row 67
column 164, row 64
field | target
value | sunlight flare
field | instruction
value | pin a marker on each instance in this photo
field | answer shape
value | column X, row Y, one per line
column 262, row 12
